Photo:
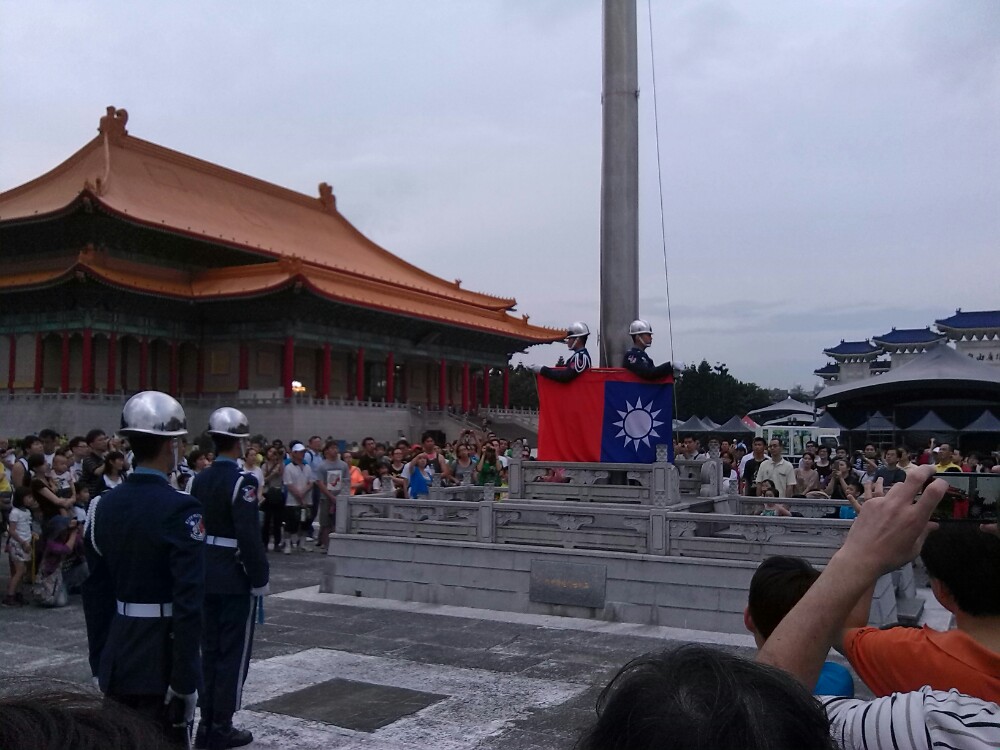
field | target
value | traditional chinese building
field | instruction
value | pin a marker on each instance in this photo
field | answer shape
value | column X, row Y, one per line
column 903, row 344
column 853, row 360
column 976, row 334
column 131, row 266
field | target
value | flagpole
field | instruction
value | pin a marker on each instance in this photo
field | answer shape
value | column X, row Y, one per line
column 619, row 181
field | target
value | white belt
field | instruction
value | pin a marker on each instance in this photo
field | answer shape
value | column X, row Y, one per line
column 129, row 609
column 221, row 541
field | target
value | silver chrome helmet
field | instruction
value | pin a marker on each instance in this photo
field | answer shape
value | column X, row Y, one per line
column 229, row 421
column 639, row 326
column 577, row 329
column 153, row 413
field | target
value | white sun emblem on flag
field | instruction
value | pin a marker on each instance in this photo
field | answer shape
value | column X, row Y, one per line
column 638, row 423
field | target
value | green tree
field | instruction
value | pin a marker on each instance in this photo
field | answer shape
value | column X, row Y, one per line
column 523, row 389
column 712, row 391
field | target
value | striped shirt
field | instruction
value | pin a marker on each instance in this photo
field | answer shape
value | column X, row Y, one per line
column 925, row 719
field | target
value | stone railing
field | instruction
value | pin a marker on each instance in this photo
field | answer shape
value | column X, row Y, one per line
column 595, row 526
column 639, row 484
column 660, row 484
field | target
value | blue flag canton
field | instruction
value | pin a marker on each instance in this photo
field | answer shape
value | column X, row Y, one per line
column 637, row 418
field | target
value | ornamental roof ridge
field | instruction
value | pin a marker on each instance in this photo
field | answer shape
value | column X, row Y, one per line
column 974, row 319
column 99, row 166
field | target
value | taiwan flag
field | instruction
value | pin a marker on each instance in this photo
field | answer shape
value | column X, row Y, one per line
column 607, row 415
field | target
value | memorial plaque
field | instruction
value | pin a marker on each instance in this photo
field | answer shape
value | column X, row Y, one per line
column 576, row 584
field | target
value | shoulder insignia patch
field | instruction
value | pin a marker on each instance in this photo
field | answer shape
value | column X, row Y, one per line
column 196, row 527
column 249, row 493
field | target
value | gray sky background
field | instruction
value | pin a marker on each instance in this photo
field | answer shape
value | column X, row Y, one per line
column 831, row 169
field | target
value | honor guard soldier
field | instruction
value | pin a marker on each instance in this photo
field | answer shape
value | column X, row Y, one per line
column 144, row 544
column 578, row 363
column 236, row 573
column 636, row 360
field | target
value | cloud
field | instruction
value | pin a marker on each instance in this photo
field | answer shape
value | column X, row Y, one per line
column 828, row 170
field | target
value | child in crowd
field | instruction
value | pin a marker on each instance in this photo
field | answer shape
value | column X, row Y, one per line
column 418, row 476
column 60, row 542
column 775, row 588
column 383, row 479
column 766, row 489
column 62, row 477
column 114, row 469
column 19, row 543
column 82, row 502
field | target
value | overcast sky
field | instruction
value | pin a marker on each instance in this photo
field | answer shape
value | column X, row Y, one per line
column 830, row 169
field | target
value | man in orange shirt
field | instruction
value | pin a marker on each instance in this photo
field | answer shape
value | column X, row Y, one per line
column 962, row 562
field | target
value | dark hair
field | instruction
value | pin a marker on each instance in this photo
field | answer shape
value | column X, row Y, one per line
column 194, row 455
column 699, row 698
column 331, row 444
column 29, row 440
column 35, row 460
column 965, row 560
column 365, row 440
column 224, row 443
column 19, row 494
column 93, row 435
column 314, row 437
column 427, row 434
column 42, row 716
column 777, row 585
column 145, row 447
column 810, row 454
column 48, row 434
column 75, row 441
column 758, row 439
column 111, row 458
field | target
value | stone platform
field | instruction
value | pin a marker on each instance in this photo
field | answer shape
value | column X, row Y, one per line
column 332, row 671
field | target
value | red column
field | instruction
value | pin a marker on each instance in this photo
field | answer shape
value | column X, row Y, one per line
column 475, row 391
column 359, row 375
column 506, row 387
column 244, row 382
column 87, row 376
column 288, row 366
column 486, row 385
column 112, row 361
column 124, row 360
column 143, row 363
column 404, row 386
column 427, row 382
column 12, row 362
column 174, row 380
column 390, row 377
column 465, row 386
column 39, row 362
column 443, row 385
column 199, row 372
column 64, row 371
column 325, row 368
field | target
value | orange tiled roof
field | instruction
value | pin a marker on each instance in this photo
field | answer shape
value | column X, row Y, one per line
column 312, row 242
column 263, row 278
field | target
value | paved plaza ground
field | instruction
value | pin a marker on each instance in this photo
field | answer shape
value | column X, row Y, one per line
column 342, row 672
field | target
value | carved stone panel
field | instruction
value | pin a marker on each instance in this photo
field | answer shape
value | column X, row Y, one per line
column 574, row 584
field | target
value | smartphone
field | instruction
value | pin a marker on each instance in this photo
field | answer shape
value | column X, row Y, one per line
column 957, row 507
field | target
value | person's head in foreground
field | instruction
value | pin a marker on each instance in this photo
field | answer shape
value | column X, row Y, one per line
column 699, row 698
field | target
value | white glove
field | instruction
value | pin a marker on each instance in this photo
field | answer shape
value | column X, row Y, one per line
column 262, row 591
column 96, row 682
column 535, row 368
column 190, row 702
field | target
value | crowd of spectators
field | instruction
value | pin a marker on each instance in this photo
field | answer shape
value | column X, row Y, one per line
column 46, row 483
column 822, row 473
